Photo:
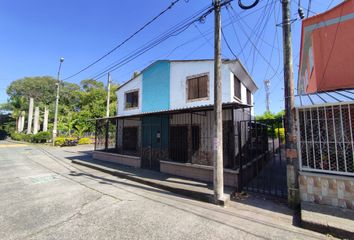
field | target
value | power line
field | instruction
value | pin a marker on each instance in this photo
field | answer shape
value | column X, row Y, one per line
column 126, row 40
column 174, row 31
column 162, row 37
column 227, row 44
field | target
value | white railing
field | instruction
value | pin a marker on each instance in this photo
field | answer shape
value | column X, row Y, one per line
column 325, row 139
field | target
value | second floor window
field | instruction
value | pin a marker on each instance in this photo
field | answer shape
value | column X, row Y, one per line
column 249, row 97
column 132, row 99
column 237, row 87
column 197, row 87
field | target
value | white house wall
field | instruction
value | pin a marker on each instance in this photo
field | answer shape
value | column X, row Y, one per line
column 178, row 90
column 136, row 83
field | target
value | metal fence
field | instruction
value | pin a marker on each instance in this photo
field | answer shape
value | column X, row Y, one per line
column 184, row 137
column 325, row 139
column 262, row 161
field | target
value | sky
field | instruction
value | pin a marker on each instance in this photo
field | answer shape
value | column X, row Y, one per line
column 36, row 33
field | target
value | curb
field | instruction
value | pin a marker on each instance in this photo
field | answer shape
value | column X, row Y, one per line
column 204, row 197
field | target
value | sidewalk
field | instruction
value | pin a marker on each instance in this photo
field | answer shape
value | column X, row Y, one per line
column 187, row 187
column 336, row 221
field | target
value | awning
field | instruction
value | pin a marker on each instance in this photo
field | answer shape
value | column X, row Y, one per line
column 319, row 99
column 209, row 107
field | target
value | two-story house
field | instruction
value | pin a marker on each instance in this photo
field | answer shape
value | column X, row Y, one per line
column 325, row 107
column 165, row 118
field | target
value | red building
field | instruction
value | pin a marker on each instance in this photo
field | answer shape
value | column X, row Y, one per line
column 327, row 50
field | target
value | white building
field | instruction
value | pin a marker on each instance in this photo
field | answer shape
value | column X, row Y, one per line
column 165, row 118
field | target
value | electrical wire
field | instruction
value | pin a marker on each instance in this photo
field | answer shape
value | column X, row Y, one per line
column 148, row 45
column 163, row 37
column 227, row 44
column 126, row 40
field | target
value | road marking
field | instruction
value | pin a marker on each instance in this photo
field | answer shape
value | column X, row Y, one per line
column 43, row 178
column 13, row 145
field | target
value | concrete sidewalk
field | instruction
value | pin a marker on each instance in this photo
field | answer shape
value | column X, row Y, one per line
column 187, row 187
column 336, row 221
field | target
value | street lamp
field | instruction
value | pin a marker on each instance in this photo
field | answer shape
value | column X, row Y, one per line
column 57, row 103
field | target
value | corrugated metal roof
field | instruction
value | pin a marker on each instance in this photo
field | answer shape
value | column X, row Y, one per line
column 184, row 109
column 324, row 98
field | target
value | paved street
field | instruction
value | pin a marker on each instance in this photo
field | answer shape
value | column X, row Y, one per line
column 46, row 197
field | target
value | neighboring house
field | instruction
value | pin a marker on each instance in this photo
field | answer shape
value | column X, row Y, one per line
column 325, row 108
column 165, row 118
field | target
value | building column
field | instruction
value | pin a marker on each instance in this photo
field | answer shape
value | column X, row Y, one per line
column 45, row 119
column 36, row 120
column 30, row 116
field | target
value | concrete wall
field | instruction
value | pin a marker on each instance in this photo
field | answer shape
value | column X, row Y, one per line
column 117, row 158
column 327, row 189
column 136, row 83
column 197, row 172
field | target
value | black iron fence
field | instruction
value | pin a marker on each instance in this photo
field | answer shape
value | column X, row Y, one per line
column 262, row 162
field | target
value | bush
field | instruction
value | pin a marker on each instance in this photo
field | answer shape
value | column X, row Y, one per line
column 280, row 132
column 41, row 137
column 27, row 137
column 59, row 141
column 84, row 141
column 16, row 136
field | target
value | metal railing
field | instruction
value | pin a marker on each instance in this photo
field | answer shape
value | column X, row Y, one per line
column 325, row 139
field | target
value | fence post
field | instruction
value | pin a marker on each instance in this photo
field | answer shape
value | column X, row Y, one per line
column 240, row 154
column 106, row 138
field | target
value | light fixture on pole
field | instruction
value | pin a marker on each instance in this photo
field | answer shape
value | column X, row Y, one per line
column 57, row 103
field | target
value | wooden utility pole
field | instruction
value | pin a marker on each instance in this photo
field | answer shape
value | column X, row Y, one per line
column 291, row 152
column 108, row 94
column 217, row 141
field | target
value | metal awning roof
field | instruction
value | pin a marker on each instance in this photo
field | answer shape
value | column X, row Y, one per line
column 338, row 97
column 207, row 107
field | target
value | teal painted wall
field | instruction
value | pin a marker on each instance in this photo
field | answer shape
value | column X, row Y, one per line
column 156, row 87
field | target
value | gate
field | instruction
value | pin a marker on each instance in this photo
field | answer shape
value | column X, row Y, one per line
column 154, row 141
column 262, row 160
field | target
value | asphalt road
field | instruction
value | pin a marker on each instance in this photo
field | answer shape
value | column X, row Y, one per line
column 46, row 197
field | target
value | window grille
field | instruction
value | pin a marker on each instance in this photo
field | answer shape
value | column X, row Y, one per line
column 325, row 139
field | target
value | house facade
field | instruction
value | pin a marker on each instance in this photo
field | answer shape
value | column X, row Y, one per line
column 165, row 119
column 327, row 50
column 325, row 108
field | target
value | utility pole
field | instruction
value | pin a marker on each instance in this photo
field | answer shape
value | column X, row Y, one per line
column 108, row 94
column 57, row 104
column 266, row 86
column 291, row 152
column 217, row 141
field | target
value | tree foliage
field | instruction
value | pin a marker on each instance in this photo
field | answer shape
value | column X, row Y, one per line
column 79, row 104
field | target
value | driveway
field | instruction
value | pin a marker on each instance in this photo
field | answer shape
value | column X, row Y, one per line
column 44, row 196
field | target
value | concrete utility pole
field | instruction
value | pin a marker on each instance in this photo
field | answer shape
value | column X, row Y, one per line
column 36, row 120
column 57, row 104
column 30, row 116
column 108, row 94
column 266, row 86
column 45, row 119
column 291, row 152
column 218, row 144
